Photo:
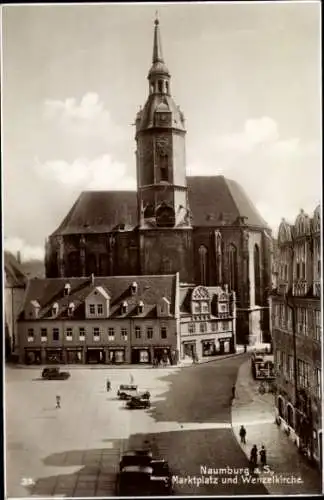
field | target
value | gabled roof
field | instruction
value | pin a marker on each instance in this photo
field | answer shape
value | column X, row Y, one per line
column 14, row 273
column 150, row 289
column 214, row 201
column 186, row 295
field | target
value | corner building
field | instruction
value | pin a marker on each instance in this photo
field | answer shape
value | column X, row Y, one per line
column 205, row 228
column 297, row 332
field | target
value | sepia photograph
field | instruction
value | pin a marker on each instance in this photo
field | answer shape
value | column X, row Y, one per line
column 162, row 245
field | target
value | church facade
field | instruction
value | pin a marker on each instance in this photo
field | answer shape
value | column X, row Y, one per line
column 205, row 228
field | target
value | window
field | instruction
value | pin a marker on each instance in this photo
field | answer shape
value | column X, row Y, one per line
column 30, row 334
column 140, row 307
column 214, row 327
column 71, row 309
column 303, row 373
column 163, row 332
column 149, row 332
column 291, row 368
column 164, row 161
column 278, row 360
column 203, row 327
column 317, row 325
column 124, row 307
column 232, row 263
column 100, row 309
column 92, row 309
column 124, row 334
column 257, row 275
column 137, row 332
column 55, row 309
column 67, row 289
column 134, row 288
column 289, row 319
column 203, row 253
column 318, row 375
column 284, row 364
column 81, row 333
column 160, row 85
column 111, row 334
column 44, row 333
column 204, row 307
column 96, row 333
column 69, row 334
column 196, row 307
column 56, row 334
column 192, row 328
column 302, row 320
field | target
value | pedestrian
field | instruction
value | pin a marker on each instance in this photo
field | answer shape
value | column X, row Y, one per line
column 243, row 434
column 233, row 391
column 263, row 456
column 108, row 385
column 254, row 456
column 131, row 379
column 58, row 401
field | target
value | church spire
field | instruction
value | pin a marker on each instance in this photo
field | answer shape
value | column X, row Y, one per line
column 157, row 45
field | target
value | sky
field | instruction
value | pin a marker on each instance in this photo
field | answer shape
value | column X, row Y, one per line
column 246, row 75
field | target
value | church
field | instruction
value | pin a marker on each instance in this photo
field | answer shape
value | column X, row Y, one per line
column 204, row 228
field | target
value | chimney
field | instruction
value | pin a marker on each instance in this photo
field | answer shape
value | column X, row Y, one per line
column 19, row 257
column 226, row 288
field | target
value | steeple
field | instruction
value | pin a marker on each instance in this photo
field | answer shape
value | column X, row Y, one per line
column 159, row 75
column 157, row 45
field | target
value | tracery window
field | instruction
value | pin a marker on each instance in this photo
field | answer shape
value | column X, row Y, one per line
column 203, row 254
column 232, row 261
column 257, row 275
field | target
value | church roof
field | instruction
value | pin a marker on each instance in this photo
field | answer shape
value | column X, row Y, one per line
column 150, row 290
column 14, row 273
column 214, row 201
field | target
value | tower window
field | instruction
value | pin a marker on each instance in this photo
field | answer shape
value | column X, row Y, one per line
column 164, row 168
column 167, row 87
column 160, row 85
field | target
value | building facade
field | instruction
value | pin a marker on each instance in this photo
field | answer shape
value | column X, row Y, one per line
column 207, row 321
column 110, row 320
column 297, row 332
column 204, row 228
column 15, row 282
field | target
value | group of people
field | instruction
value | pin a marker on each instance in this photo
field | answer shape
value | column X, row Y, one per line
column 254, row 451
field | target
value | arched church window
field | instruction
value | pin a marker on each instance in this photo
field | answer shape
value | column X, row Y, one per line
column 164, row 160
column 232, row 266
column 257, row 275
column 91, row 264
column 73, row 267
column 203, row 253
column 149, row 211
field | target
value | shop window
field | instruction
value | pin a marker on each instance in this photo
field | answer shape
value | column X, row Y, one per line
column 163, row 332
column 56, row 334
column 149, row 332
column 137, row 332
column 111, row 334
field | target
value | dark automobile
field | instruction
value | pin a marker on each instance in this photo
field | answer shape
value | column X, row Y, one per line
column 126, row 391
column 141, row 475
column 138, row 402
column 54, row 374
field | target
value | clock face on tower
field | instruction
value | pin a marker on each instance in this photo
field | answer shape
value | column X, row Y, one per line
column 162, row 146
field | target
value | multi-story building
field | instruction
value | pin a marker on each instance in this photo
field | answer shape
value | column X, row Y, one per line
column 297, row 333
column 15, row 282
column 207, row 321
column 100, row 320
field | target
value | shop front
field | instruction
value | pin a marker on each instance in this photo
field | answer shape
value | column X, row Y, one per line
column 33, row 356
column 54, row 356
column 163, row 355
column 95, row 355
column 116, row 355
column 189, row 349
column 208, row 348
column 74, row 355
column 141, row 355
column 225, row 345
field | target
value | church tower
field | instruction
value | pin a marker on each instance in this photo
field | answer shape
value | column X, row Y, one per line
column 164, row 219
column 160, row 155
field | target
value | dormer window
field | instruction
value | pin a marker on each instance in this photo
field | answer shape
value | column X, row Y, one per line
column 71, row 309
column 134, row 288
column 67, row 289
column 164, row 307
column 124, row 307
column 55, row 308
column 140, row 307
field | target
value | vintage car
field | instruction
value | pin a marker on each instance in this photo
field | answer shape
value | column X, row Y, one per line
column 54, row 373
column 126, row 391
column 142, row 475
column 138, row 402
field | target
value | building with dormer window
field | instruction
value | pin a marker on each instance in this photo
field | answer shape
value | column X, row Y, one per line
column 207, row 321
column 205, row 228
column 108, row 320
column 296, row 331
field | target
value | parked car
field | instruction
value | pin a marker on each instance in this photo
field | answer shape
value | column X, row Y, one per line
column 126, row 391
column 138, row 402
column 54, row 373
column 142, row 475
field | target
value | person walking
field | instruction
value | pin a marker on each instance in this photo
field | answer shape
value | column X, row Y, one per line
column 243, row 434
column 263, row 456
column 233, row 391
column 108, row 385
column 58, row 401
column 254, row 457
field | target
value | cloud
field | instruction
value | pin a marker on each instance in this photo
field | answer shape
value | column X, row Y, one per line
column 27, row 252
column 86, row 117
column 101, row 173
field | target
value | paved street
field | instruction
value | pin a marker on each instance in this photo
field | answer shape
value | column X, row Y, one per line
column 75, row 450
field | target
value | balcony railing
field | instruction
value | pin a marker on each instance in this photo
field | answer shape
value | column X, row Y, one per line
column 317, row 288
column 300, row 288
